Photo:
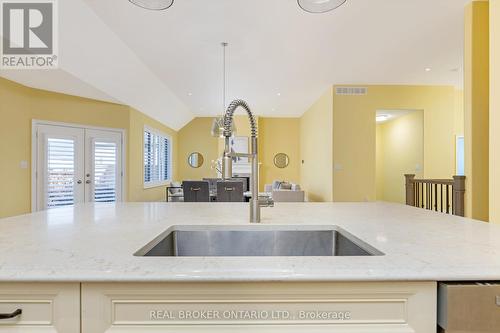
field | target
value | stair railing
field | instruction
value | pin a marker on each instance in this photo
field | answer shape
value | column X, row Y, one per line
column 441, row 195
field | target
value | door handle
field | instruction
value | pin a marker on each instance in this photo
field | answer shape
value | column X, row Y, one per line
column 14, row 314
column 87, row 181
column 79, row 182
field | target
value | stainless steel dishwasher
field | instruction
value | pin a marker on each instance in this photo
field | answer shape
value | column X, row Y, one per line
column 469, row 307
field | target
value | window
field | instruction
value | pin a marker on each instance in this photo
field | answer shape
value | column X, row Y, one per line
column 157, row 158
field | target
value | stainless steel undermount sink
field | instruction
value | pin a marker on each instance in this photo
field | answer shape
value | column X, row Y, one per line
column 256, row 241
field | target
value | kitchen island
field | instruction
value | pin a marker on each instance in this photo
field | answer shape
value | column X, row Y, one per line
column 59, row 264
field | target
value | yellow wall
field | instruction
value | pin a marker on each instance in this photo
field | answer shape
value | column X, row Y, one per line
column 494, row 111
column 195, row 137
column 459, row 113
column 400, row 148
column 316, row 137
column 19, row 105
column 354, row 148
column 275, row 135
column 279, row 135
column 354, row 143
column 476, row 96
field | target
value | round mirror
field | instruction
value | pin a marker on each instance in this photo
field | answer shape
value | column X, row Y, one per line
column 195, row 160
column 281, row 160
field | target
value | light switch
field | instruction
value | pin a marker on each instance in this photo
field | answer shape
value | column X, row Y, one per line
column 418, row 168
column 338, row 167
column 24, row 164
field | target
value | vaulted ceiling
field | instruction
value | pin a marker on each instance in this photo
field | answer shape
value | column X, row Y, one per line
column 168, row 64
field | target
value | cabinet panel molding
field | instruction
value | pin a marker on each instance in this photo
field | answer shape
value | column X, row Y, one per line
column 46, row 307
column 259, row 307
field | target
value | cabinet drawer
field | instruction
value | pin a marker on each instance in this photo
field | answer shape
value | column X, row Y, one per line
column 259, row 307
column 44, row 307
column 469, row 307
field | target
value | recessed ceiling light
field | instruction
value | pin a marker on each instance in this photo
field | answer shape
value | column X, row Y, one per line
column 382, row 118
column 278, row 94
column 153, row 4
column 320, row 6
column 428, row 69
column 190, row 94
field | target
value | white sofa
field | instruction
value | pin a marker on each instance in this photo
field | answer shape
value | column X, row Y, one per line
column 285, row 192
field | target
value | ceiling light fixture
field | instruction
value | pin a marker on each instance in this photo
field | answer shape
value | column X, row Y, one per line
column 153, row 4
column 428, row 69
column 382, row 118
column 320, row 6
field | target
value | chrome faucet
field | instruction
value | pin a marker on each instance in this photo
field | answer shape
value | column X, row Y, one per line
column 227, row 158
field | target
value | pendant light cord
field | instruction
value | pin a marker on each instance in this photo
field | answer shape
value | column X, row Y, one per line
column 224, row 45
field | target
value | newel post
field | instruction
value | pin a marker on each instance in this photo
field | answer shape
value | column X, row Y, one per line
column 410, row 190
column 459, row 195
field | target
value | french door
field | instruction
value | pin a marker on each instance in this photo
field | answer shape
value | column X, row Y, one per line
column 75, row 165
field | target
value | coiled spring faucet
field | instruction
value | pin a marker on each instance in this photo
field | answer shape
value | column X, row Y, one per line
column 227, row 158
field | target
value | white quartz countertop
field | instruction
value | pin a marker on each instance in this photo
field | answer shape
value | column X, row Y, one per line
column 97, row 242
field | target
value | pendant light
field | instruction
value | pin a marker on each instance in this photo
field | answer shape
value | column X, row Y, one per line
column 218, row 122
column 153, row 4
column 320, row 6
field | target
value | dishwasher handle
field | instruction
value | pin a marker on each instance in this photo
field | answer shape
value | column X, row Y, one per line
column 14, row 314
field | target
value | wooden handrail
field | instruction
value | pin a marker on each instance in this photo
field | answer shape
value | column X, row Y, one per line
column 445, row 195
column 434, row 181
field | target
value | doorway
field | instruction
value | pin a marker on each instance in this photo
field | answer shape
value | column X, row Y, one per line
column 399, row 151
column 73, row 164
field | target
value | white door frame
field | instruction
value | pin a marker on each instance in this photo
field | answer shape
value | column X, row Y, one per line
column 34, row 154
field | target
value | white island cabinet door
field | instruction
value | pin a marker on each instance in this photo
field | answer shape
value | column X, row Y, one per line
column 259, row 307
column 39, row 307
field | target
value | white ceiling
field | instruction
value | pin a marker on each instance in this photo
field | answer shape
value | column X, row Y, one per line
column 277, row 48
column 95, row 63
column 274, row 47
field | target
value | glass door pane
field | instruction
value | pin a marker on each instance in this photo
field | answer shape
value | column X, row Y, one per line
column 60, row 172
column 60, row 166
column 105, row 154
column 104, row 168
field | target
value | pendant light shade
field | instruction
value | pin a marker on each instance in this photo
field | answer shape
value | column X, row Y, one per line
column 320, row 6
column 153, row 4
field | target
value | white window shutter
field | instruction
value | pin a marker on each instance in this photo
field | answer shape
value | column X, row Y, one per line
column 157, row 158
